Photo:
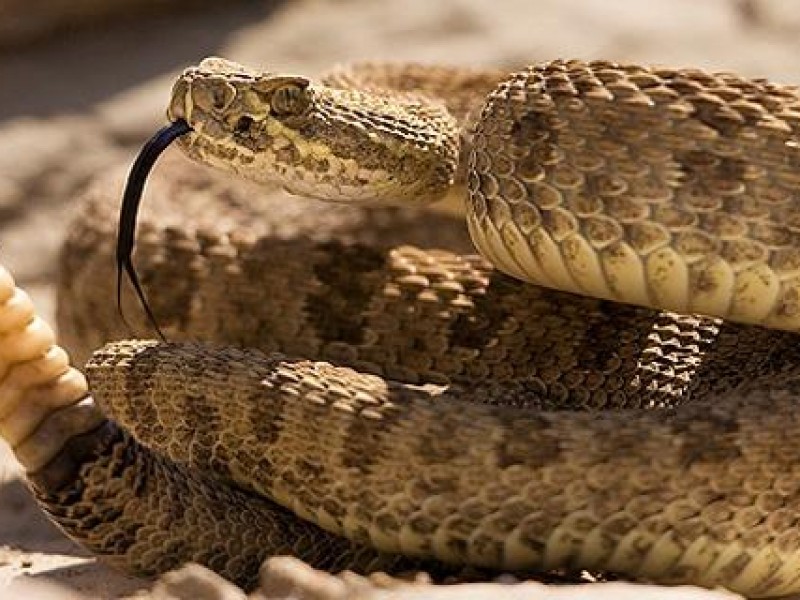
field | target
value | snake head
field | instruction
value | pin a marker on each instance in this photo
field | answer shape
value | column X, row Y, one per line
column 312, row 139
column 234, row 111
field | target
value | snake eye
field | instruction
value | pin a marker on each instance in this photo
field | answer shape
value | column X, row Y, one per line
column 243, row 125
column 289, row 99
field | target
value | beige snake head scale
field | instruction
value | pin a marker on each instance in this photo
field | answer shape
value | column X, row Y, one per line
column 315, row 139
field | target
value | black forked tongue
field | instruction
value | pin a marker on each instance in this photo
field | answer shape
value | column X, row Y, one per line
column 126, row 230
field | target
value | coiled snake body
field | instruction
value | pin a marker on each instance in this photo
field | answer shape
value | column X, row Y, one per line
column 669, row 189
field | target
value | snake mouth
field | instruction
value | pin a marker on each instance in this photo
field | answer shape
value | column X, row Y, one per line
column 131, row 198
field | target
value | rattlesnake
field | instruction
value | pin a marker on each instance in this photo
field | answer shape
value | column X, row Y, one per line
column 659, row 187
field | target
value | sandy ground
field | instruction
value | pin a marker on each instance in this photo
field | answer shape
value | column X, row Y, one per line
column 72, row 106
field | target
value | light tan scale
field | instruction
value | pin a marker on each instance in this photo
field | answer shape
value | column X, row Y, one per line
column 663, row 188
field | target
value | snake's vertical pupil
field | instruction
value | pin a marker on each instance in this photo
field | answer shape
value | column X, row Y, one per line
column 126, row 231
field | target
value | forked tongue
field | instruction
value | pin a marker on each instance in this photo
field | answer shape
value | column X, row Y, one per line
column 126, row 229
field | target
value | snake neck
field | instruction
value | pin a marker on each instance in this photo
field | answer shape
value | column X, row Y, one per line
column 317, row 140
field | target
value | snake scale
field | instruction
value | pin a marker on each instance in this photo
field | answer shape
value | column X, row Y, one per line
column 430, row 405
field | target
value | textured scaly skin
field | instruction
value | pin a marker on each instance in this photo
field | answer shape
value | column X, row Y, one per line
column 704, row 492
column 137, row 510
column 668, row 188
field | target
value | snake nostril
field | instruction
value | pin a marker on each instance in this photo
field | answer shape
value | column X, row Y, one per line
column 243, row 125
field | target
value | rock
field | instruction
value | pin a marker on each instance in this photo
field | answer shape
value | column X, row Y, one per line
column 194, row 582
column 286, row 578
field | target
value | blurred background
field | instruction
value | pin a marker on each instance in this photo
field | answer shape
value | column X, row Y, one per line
column 83, row 83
